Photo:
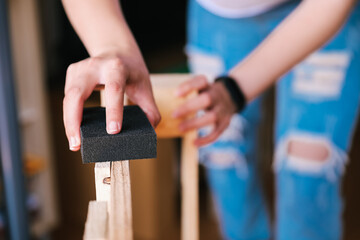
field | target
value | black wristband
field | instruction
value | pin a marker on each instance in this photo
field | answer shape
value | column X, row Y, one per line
column 234, row 90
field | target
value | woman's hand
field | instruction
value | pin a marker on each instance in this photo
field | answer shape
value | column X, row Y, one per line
column 213, row 99
column 120, row 75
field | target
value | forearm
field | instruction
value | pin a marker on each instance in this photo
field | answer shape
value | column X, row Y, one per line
column 302, row 32
column 101, row 26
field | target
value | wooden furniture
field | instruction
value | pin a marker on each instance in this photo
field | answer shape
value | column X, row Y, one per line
column 118, row 223
column 163, row 88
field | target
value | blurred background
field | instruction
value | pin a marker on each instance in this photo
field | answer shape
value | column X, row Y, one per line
column 58, row 185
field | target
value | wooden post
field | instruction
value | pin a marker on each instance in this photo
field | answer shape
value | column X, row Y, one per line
column 112, row 180
column 120, row 224
column 97, row 222
column 102, row 182
column 189, row 183
column 96, row 226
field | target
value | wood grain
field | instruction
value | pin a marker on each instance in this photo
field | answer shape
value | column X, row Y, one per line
column 164, row 86
column 190, row 189
column 120, row 226
column 96, row 226
column 102, row 171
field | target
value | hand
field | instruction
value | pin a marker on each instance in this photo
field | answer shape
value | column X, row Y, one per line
column 119, row 75
column 213, row 99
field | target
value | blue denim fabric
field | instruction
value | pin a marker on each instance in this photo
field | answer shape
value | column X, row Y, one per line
column 308, row 203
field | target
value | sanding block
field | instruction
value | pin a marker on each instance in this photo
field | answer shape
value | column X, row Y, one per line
column 136, row 140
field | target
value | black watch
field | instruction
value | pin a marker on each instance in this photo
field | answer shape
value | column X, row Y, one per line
column 234, row 90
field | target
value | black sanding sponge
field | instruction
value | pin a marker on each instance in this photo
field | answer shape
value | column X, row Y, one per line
column 137, row 139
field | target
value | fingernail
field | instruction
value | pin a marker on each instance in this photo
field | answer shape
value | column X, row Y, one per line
column 74, row 143
column 113, row 127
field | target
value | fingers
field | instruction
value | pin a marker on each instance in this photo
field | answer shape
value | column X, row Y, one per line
column 211, row 137
column 197, row 83
column 142, row 95
column 73, row 108
column 114, row 73
column 215, row 101
column 76, row 92
column 148, row 105
column 195, row 123
column 200, row 102
column 115, row 77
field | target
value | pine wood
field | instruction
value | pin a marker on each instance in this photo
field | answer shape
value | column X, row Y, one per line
column 102, row 171
column 120, row 224
column 96, row 227
column 190, row 189
column 164, row 86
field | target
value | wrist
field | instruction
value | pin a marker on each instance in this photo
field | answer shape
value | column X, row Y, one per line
column 129, row 56
column 235, row 92
column 115, row 50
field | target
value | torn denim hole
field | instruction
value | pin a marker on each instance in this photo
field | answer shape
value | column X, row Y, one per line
column 321, row 76
column 226, row 152
column 208, row 64
column 331, row 168
column 224, row 158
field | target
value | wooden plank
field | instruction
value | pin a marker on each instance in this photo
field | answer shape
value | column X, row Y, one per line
column 164, row 86
column 120, row 215
column 96, row 226
column 102, row 181
column 189, row 183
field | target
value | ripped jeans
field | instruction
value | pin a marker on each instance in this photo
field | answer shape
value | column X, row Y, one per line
column 317, row 106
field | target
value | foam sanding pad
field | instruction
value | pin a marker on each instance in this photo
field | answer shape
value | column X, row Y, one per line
column 137, row 139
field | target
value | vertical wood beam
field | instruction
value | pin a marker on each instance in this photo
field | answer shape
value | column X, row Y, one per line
column 96, row 226
column 102, row 181
column 190, row 188
column 120, row 224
